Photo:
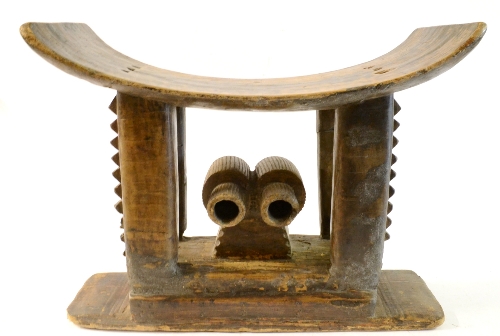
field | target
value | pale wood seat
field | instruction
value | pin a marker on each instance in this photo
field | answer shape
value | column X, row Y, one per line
column 428, row 52
column 328, row 282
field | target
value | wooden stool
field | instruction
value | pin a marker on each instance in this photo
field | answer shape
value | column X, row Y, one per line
column 332, row 281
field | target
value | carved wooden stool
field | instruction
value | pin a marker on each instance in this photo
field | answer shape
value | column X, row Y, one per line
column 329, row 282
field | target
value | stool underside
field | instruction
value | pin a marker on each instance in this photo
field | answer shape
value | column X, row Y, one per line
column 403, row 300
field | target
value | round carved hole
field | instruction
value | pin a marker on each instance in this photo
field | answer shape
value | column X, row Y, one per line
column 280, row 210
column 226, row 211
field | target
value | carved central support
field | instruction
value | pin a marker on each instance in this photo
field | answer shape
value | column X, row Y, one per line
column 325, row 123
column 253, row 208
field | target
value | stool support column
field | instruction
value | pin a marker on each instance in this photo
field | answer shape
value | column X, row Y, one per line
column 361, row 169
column 325, row 120
column 181, row 155
column 149, row 177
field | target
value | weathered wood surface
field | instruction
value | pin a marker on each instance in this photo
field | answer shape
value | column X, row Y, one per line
column 428, row 52
column 361, row 175
column 325, row 125
column 147, row 139
column 298, row 286
column 224, row 171
column 253, row 208
column 404, row 301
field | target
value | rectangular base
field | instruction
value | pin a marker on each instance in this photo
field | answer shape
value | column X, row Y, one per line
column 403, row 300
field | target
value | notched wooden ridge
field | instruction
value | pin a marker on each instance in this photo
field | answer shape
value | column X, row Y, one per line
column 76, row 49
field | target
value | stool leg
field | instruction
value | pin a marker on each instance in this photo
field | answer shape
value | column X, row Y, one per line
column 362, row 165
column 148, row 165
column 181, row 154
column 325, row 120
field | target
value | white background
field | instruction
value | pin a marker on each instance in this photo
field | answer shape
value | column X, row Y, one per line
column 58, row 224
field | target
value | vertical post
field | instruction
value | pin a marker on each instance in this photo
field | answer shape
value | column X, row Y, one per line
column 181, row 152
column 148, row 165
column 362, row 165
column 325, row 120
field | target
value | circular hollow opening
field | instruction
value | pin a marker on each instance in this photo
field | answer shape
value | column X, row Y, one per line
column 226, row 211
column 280, row 210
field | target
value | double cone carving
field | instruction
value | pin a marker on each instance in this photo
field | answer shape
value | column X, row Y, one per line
column 253, row 206
column 279, row 204
column 231, row 189
column 225, row 191
column 227, row 204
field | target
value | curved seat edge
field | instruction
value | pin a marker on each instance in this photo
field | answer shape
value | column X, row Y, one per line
column 278, row 99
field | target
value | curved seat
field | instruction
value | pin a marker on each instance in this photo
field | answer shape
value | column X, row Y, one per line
column 426, row 53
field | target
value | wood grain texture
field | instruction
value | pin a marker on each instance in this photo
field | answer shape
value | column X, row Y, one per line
column 404, row 301
column 361, row 170
column 428, row 52
column 148, row 163
column 275, row 169
column 227, row 169
column 240, row 288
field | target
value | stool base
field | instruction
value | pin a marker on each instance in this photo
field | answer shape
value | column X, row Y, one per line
column 403, row 303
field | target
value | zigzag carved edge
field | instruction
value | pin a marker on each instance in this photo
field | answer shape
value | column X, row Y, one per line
column 395, row 141
column 116, row 173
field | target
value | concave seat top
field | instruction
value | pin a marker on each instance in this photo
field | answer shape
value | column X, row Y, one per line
column 426, row 53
